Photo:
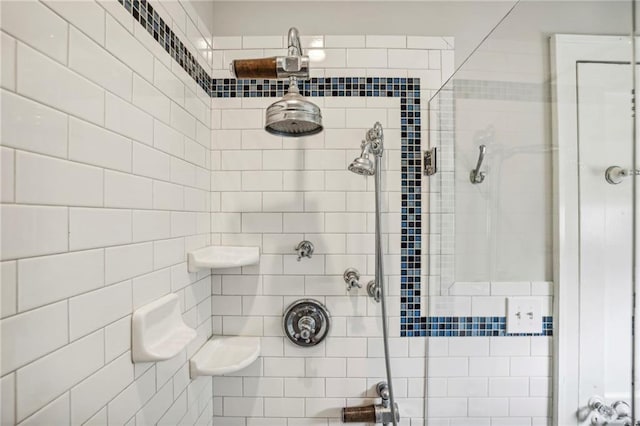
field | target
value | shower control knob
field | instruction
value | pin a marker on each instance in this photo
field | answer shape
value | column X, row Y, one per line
column 352, row 278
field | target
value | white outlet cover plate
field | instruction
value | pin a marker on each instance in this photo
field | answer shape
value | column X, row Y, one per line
column 524, row 315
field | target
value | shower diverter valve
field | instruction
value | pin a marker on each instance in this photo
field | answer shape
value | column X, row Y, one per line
column 306, row 322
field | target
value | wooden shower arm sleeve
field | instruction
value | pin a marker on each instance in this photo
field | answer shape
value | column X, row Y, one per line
column 366, row 414
column 255, row 68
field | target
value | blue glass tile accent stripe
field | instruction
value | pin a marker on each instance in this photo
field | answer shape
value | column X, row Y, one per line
column 478, row 326
column 412, row 323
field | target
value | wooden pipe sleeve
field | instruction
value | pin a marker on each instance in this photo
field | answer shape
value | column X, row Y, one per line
column 255, row 68
column 365, row 414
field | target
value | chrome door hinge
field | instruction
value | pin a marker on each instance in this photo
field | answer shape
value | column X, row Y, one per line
column 430, row 161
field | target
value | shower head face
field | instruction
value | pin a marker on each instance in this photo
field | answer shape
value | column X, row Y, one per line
column 293, row 116
column 362, row 166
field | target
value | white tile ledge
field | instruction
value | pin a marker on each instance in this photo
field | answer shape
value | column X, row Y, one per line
column 224, row 355
column 158, row 331
column 214, row 257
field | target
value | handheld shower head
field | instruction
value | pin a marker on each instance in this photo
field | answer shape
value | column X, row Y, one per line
column 363, row 165
column 373, row 144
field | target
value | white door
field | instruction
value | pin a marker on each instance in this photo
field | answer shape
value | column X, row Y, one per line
column 605, row 233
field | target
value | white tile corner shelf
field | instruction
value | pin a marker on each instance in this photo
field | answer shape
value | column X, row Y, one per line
column 224, row 355
column 214, row 257
column 158, row 331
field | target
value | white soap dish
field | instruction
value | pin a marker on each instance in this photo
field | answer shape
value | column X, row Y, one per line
column 158, row 331
column 213, row 257
column 223, row 355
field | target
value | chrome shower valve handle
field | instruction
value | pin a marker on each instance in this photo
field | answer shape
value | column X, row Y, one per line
column 305, row 249
column 352, row 278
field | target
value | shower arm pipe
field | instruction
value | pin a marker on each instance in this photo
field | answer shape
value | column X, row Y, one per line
column 295, row 64
column 379, row 267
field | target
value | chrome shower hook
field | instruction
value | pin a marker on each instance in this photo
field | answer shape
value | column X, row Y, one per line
column 476, row 176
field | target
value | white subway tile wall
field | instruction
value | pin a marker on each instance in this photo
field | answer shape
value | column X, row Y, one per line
column 274, row 192
column 105, row 186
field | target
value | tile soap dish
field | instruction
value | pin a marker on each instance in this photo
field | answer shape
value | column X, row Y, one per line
column 223, row 355
column 222, row 257
column 158, row 332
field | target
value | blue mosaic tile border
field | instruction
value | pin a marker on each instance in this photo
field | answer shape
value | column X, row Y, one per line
column 412, row 323
column 477, row 326
column 408, row 90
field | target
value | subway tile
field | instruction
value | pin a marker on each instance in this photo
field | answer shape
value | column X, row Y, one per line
column 98, row 389
column 228, row 386
column 48, row 330
column 9, row 288
column 182, row 172
column 44, row 180
column 409, row 59
column 72, row 93
column 151, row 162
column 7, row 168
column 530, row 407
column 151, row 100
column 167, row 139
column 89, row 228
column 32, row 126
column 468, row 346
column 517, row 288
column 284, row 407
column 132, row 398
column 302, row 180
column 35, row 24
column 262, row 305
column 447, row 407
column 92, row 61
column 8, row 399
column 8, row 58
column 467, row 387
column 303, row 222
column 509, row 386
column 284, row 367
column 325, row 367
column 168, row 196
column 242, row 326
column 386, row 41
column 283, row 202
column 262, row 222
column 129, row 50
column 241, row 160
column 33, row 231
column 243, row 407
column 366, row 58
column 488, row 366
column 150, row 287
column 539, row 366
column 95, row 145
column 323, row 407
column 488, row 407
column 168, row 83
column 87, row 16
column 117, row 338
column 324, row 201
column 56, row 412
column 126, row 119
column 344, row 41
column 262, row 181
column 151, row 225
column 451, row 367
column 510, row 346
column 43, row 280
column 43, row 380
column 127, row 191
column 283, row 160
column 96, row 309
column 241, row 119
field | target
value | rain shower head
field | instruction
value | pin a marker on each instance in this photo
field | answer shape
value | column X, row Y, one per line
column 293, row 115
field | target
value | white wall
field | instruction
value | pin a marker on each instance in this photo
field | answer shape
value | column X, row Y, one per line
column 105, row 186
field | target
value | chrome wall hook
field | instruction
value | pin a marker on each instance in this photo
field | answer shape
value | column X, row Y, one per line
column 476, row 176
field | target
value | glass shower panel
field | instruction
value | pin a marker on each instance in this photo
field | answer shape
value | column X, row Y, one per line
column 521, row 206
